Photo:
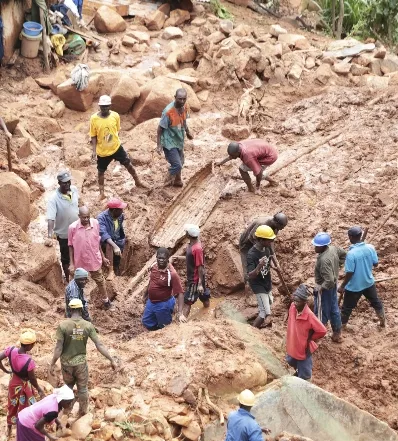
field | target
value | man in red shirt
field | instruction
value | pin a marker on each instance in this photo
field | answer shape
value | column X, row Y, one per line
column 256, row 156
column 196, row 280
column 85, row 250
column 303, row 328
column 159, row 298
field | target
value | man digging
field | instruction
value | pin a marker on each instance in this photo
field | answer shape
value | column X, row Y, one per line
column 104, row 133
column 256, row 155
column 171, row 136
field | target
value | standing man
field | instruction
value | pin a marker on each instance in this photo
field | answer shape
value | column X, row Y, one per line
column 112, row 234
column 303, row 328
column 259, row 271
column 242, row 425
column 247, row 239
column 72, row 335
column 62, row 210
column 171, row 134
column 327, row 266
column 196, row 275
column 256, row 155
column 104, row 132
column 75, row 290
column 85, row 250
column 359, row 280
column 159, row 298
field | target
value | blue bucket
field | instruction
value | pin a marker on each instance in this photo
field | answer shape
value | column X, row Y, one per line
column 32, row 29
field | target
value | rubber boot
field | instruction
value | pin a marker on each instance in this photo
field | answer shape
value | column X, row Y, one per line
column 258, row 322
column 336, row 337
column 168, row 180
column 382, row 319
column 178, row 181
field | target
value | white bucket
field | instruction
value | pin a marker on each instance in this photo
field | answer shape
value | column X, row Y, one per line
column 30, row 45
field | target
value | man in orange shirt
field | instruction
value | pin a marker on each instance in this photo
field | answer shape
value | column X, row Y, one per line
column 256, row 156
column 303, row 328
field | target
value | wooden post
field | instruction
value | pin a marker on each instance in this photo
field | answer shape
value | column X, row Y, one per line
column 45, row 45
column 9, row 154
column 340, row 20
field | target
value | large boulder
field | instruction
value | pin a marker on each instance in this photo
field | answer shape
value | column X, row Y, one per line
column 82, row 427
column 76, row 100
column 124, row 94
column 108, row 21
column 177, row 17
column 15, row 199
column 155, row 20
column 157, row 94
column 41, row 263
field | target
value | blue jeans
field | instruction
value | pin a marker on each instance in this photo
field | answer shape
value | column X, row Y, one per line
column 303, row 367
column 158, row 315
column 330, row 308
column 175, row 157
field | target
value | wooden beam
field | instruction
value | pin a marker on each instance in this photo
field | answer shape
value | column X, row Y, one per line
column 45, row 43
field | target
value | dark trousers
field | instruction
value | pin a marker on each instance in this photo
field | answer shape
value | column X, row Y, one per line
column 175, row 157
column 351, row 299
column 330, row 308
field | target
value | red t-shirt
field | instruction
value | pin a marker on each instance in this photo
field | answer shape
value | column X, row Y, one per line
column 195, row 258
column 163, row 284
column 256, row 152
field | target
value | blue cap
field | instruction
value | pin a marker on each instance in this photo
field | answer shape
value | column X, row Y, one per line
column 321, row 240
column 355, row 231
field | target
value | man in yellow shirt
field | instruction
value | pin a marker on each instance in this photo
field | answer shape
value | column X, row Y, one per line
column 104, row 132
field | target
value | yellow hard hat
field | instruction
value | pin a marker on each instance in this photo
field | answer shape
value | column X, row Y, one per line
column 265, row 232
column 75, row 304
column 246, row 398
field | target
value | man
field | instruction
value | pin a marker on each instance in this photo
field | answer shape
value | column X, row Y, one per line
column 159, row 298
column 75, row 290
column 303, row 328
column 326, row 276
column 259, row 271
column 112, row 234
column 4, row 127
column 171, row 134
column 247, row 239
column 104, row 132
column 85, row 250
column 62, row 210
column 256, row 156
column 241, row 425
column 196, row 277
column 72, row 335
column 359, row 280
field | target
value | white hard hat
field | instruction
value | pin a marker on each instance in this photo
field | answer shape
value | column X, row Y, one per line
column 105, row 100
column 192, row 229
column 246, row 398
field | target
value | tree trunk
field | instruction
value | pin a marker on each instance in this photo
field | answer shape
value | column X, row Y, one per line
column 334, row 17
column 340, row 20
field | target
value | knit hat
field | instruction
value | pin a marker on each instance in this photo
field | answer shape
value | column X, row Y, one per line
column 301, row 292
column 80, row 273
column 27, row 337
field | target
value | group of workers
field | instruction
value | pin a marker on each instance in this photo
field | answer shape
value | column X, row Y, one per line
column 87, row 245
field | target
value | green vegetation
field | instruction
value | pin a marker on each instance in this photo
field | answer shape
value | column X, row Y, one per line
column 220, row 10
column 365, row 18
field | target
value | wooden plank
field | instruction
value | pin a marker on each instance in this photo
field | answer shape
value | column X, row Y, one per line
column 87, row 36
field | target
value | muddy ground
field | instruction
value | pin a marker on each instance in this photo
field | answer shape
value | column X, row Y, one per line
column 350, row 180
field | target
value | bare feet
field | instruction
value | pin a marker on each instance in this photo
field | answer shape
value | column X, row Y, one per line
column 271, row 181
column 110, row 276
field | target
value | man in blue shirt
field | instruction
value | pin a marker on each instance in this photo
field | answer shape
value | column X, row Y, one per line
column 359, row 280
column 242, row 425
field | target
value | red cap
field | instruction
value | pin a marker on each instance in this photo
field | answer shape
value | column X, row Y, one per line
column 116, row 203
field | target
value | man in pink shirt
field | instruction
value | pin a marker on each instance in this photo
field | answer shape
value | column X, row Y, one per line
column 303, row 328
column 256, row 156
column 85, row 250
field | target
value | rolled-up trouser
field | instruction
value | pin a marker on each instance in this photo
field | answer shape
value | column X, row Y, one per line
column 330, row 308
column 175, row 157
column 77, row 375
column 303, row 367
column 351, row 299
column 264, row 301
column 99, row 279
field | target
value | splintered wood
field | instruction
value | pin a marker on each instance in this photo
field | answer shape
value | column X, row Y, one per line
column 192, row 206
